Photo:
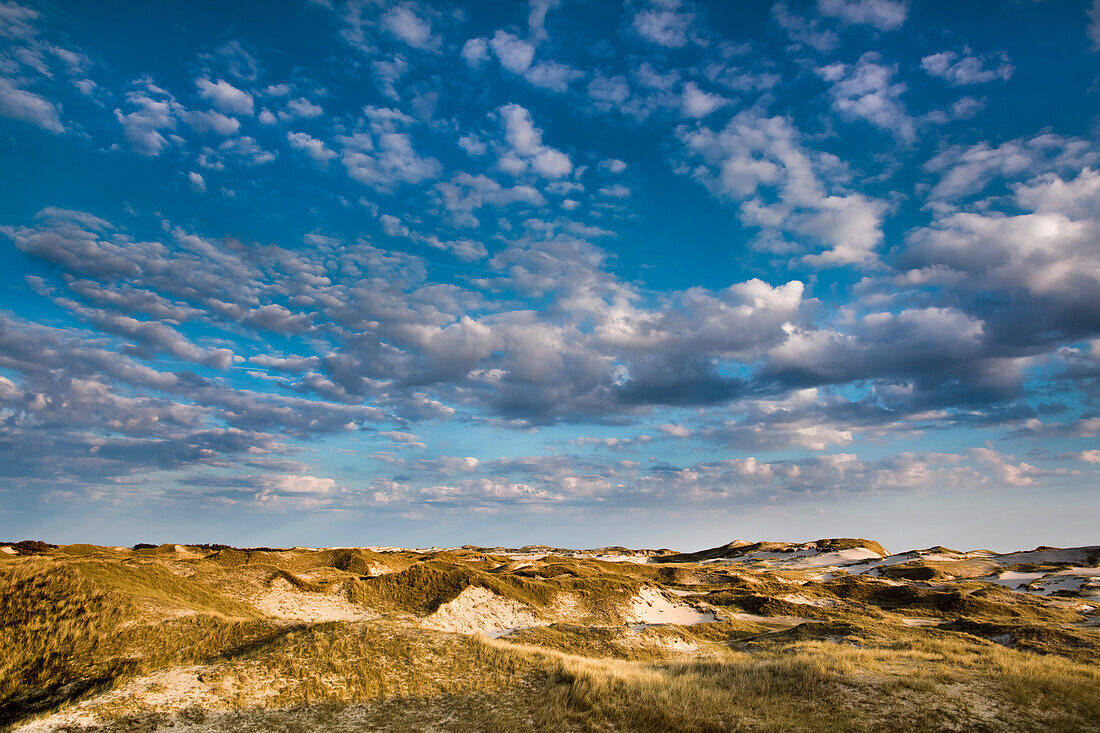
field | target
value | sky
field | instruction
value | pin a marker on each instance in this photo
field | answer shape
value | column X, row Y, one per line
column 657, row 273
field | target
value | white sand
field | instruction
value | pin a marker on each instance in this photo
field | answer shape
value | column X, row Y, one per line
column 843, row 557
column 167, row 691
column 651, row 606
column 8, row 551
column 477, row 610
column 282, row 600
column 1083, row 580
column 808, row 601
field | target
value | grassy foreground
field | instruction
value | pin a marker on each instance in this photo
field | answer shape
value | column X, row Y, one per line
column 186, row 638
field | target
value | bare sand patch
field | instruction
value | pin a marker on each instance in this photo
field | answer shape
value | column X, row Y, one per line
column 477, row 610
column 651, row 606
column 165, row 691
column 808, row 601
column 282, row 600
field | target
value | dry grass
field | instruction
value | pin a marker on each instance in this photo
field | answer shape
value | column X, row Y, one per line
column 121, row 640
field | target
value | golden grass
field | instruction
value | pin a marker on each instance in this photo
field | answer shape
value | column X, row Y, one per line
column 93, row 629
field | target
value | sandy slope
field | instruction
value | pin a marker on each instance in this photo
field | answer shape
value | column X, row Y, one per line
column 477, row 610
column 282, row 600
column 651, row 606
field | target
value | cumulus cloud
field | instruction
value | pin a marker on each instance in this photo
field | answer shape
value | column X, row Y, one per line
column 867, row 91
column 304, row 108
column 525, row 147
column 552, row 75
column 407, row 22
column 152, row 111
column 311, row 146
column 1046, row 253
column 475, row 51
column 513, row 53
column 753, row 154
column 965, row 170
column 804, row 30
column 885, row 15
column 664, row 27
column 967, row 68
column 465, row 194
column 225, row 97
column 697, row 103
column 520, row 290
column 384, row 157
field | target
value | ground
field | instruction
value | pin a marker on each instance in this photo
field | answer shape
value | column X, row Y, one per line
column 829, row 635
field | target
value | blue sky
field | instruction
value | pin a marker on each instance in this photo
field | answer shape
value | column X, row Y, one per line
column 655, row 273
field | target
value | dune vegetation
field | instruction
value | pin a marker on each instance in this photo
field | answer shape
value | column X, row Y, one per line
column 827, row 636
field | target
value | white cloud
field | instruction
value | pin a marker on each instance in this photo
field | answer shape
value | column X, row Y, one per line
column 536, row 18
column 664, row 27
column 613, row 165
column 466, row 193
column 608, row 92
column 1048, row 252
column 552, row 75
column 618, row 191
column 514, row 54
column 385, row 157
column 225, row 97
column 803, row 30
column 15, row 20
column 697, row 103
column 212, row 121
column 674, row 431
column 473, row 145
column 296, row 491
column 967, row 169
column 155, row 111
column 392, row 226
column 884, row 15
column 406, row 22
column 754, row 156
column 247, row 150
column 525, row 143
column 313, row 147
column 29, row 107
column 967, row 69
column 519, row 131
column 388, row 73
column 196, row 181
column 302, row 107
column 1003, row 470
column 1089, row 456
column 476, row 51
column 867, row 91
